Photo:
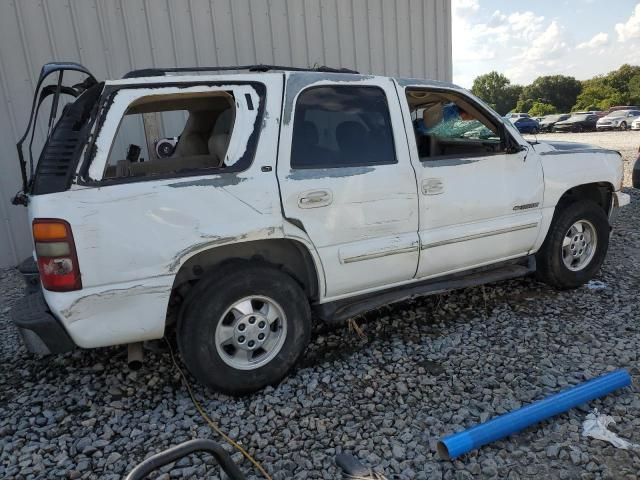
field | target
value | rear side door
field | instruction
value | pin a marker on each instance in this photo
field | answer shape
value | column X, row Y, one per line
column 346, row 179
column 480, row 202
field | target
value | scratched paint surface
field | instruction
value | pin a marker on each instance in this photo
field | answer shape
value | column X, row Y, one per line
column 133, row 238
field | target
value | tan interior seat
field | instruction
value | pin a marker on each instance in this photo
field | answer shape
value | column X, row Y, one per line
column 218, row 142
column 195, row 135
column 203, row 144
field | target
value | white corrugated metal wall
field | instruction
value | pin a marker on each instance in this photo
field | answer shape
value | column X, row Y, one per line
column 409, row 38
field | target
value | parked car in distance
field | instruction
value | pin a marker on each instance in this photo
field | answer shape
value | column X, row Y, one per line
column 523, row 122
column 547, row 122
column 577, row 122
column 635, row 125
column 622, row 107
column 617, row 120
column 291, row 197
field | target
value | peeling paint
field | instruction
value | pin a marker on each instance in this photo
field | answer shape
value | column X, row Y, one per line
column 212, row 241
column 85, row 307
column 579, row 150
column 320, row 173
column 449, row 162
column 222, row 181
column 296, row 82
column 411, row 82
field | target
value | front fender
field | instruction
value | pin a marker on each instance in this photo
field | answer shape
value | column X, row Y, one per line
column 568, row 168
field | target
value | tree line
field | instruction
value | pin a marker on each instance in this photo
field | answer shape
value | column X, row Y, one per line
column 560, row 93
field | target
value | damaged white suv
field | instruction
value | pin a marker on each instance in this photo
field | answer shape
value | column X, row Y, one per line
column 237, row 204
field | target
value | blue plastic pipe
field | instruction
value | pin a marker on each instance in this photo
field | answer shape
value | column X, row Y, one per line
column 458, row 444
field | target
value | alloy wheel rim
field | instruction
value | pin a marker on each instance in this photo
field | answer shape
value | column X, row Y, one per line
column 579, row 245
column 251, row 332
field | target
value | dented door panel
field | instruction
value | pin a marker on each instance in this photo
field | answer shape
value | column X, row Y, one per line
column 134, row 236
column 363, row 220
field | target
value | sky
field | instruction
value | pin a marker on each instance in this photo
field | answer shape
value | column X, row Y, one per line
column 524, row 40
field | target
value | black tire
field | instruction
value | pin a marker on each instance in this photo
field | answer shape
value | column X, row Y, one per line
column 550, row 266
column 204, row 308
column 623, row 126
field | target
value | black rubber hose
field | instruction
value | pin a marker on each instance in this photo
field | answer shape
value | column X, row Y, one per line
column 174, row 453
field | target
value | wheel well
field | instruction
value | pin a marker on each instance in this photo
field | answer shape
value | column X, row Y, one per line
column 599, row 193
column 290, row 256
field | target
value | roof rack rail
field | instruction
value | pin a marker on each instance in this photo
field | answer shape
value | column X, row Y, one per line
column 158, row 72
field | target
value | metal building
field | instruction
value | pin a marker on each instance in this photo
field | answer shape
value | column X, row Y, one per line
column 410, row 38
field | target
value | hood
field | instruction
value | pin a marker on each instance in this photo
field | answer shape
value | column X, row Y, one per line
column 571, row 146
column 558, row 147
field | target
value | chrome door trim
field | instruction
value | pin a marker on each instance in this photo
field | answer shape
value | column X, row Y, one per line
column 380, row 254
column 479, row 235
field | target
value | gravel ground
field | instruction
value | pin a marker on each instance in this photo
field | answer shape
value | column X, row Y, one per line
column 428, row 367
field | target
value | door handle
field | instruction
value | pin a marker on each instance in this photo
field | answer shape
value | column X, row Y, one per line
column 315, row 199
column 432, row 186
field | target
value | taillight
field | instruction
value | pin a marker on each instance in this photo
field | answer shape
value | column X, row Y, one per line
column 56, row 253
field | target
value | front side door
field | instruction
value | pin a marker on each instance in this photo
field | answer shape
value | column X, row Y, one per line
column 346, row 179
column 480, row 201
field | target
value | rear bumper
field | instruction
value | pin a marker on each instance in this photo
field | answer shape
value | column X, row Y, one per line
column 41, row 332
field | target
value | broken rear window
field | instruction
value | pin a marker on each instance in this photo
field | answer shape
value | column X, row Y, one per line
column 162, row 134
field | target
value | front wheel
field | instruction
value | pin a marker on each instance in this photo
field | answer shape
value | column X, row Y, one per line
column 623, row 126
column 244, row 328
column 575, row 247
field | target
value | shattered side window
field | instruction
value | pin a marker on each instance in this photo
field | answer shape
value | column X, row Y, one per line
column 447, row 124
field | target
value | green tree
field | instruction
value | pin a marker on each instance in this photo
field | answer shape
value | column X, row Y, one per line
column 497, row 90
column 524, row 105
column 598, row 94
column 540, row 109
column 560, row 91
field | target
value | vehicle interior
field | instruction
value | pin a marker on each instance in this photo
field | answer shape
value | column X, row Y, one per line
column 446, row 124
column 193, row 128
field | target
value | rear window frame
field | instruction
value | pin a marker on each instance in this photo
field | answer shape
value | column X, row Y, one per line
column 345, row 165
column 107, row 98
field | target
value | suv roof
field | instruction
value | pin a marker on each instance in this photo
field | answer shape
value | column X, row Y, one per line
column 157, row 72
column 162, row 75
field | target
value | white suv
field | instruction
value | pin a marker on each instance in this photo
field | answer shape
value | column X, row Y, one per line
column 618, row 120
column 287, row 195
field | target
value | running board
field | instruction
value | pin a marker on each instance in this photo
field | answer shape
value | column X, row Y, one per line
column 341, row 310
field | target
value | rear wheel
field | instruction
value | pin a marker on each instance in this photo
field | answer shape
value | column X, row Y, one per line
column 575, row 247
column 244, row 328
column 623, row 126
